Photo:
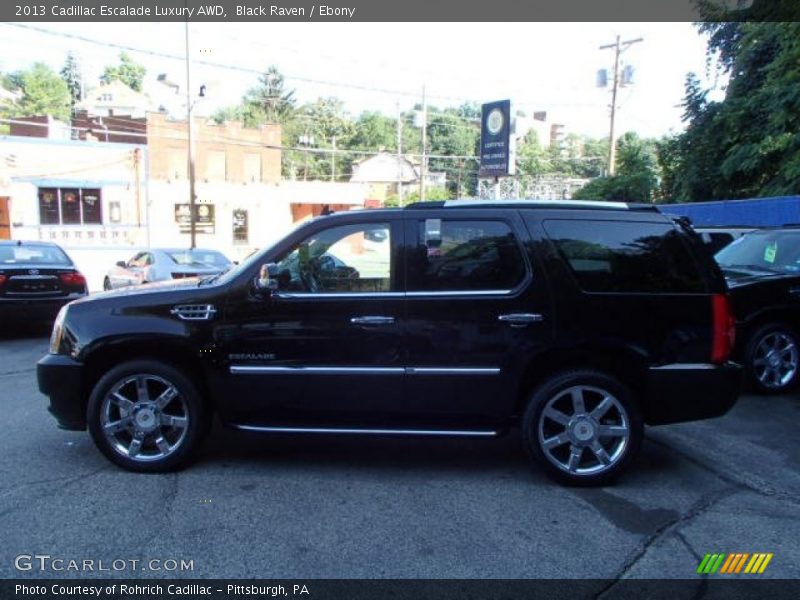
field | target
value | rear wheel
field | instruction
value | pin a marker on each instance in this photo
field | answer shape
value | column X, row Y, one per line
column 583, row 427
column 772, row 358
column 147, row 416
column 106, row 284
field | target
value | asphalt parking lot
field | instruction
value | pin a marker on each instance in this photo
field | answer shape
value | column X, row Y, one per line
column 285, row 507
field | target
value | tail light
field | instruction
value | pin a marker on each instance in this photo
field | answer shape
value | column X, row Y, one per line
column 3, row 279
column 724, row 333
column 74, row 279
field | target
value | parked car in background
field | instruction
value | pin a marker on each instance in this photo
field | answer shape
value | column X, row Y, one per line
column 164, row 264
column 763, row 273
column 716, row 238
column 36, row 280
column 578, row 322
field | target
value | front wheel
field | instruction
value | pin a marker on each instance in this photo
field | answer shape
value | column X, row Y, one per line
column 582, row 427
column 772, row 358
column 147, row 416
column 106, row 284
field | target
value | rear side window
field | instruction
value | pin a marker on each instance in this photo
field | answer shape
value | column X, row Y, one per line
column 612, row 256
column 454, row 256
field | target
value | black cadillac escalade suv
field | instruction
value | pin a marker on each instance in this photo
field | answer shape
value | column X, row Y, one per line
column 577, row 322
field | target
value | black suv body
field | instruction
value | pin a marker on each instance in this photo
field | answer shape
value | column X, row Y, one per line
column 578, row 322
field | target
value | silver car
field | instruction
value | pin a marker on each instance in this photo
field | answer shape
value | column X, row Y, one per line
column 163, row 264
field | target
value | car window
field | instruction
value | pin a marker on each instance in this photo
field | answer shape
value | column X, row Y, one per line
column 348, row 258
column 30, row 254
column 613, row 256
column 777, row 251
column 198, row 257
column 456, row 255
column 136, row 261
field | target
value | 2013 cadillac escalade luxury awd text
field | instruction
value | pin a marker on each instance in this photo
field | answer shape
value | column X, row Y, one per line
column 577, row 322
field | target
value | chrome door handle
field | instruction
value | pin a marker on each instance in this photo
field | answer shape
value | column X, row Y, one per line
column 372, row 320
column 521, row 319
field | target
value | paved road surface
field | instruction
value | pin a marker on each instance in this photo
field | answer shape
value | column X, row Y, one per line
column 337, row 508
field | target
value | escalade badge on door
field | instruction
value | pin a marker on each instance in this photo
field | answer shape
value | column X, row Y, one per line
column 252, row 356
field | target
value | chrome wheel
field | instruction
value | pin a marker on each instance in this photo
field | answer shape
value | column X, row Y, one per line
column 584, row 430
column 144, row 418
column 776, row 359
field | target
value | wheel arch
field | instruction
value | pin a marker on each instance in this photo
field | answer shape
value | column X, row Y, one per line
column 173, row 351
column 623, row 363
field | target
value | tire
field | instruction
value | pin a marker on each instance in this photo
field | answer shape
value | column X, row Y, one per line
column 106, row 284
column 552, row 416
column 158, row 426
column 772, row 358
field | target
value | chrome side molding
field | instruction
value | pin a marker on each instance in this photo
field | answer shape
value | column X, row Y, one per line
column 357, row 431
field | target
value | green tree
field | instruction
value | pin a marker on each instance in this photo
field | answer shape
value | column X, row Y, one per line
column 71, row 74
column 127, row 71
column 532, row 159
column 748, row 144
column 43, row 92
column 636, row 177
column 374, row 131
column 269, row 101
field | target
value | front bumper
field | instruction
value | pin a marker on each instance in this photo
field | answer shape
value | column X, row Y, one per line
column 61, row 378
column 689, row 392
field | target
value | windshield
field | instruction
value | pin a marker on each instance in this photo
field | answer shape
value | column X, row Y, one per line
column 772, row 251
column 210, row 258
column 33, row 254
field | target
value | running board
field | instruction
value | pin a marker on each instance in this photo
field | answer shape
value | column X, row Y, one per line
column 340, row 431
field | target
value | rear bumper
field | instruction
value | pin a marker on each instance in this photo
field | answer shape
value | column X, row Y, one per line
column 60, row 378
column 34, row 309
column 689, row 392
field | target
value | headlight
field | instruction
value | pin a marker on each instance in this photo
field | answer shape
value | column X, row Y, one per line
column 58, row 331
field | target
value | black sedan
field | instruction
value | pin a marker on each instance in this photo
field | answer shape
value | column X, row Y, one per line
column 763, row 273
column 36, row 280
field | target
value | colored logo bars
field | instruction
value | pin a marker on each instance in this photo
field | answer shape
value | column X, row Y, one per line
column 734, row 563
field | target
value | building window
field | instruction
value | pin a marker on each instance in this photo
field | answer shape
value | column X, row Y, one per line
column 215, row 170
column 239, row 227
column 70, row 206
column 252, row 167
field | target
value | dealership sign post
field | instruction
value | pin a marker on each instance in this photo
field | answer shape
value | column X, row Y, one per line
column 497, row 158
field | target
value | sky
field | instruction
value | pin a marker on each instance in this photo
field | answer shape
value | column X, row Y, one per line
column 380, row 66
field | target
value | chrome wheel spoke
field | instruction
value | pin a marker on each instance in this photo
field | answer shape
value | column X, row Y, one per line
column 117, row 426
column 122, row 402
column 173, row 421
column 575, row 453
column 556, row 415
column 555, row 441
column 578, row 406
column 136, row 445
column 601, row 409
column 166, row 397
column 162, row 443
column 612, row 431
column 600, row 453
column 142, row 394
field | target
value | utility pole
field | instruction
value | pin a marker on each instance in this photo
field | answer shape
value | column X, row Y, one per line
column 424, row 167
column 399, row 156
column 618, row 47
column 190, row 127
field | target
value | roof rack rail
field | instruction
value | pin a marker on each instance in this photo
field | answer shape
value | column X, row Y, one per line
column 524, row 203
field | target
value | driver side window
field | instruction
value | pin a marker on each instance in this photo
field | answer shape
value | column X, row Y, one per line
column 344, row 259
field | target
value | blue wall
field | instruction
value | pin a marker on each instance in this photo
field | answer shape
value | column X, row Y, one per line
column 759, row 212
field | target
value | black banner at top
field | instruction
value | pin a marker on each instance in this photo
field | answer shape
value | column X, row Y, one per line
column 391, row 10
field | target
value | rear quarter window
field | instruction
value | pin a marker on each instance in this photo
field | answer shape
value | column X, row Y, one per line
column 626, row 256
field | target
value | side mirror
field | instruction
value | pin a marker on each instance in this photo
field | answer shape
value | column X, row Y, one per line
column 267, row 280
column 122, row 264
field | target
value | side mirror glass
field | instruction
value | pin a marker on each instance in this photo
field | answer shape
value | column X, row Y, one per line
column 267, row 280
column 122, row 264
